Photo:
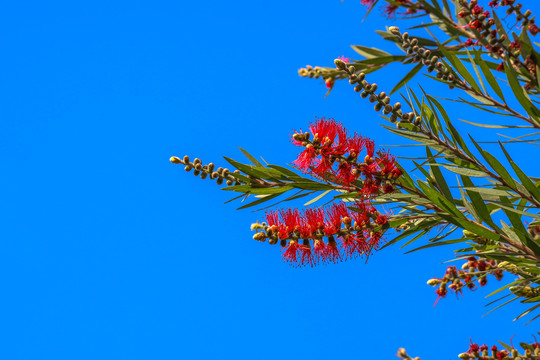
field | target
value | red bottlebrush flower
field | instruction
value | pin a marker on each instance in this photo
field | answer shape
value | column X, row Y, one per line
column 322, row 166
column 381, row 219
column 319, row 251
column 469, row 42
column 346, row 60
column 362, row 246
column 390, row 10
column 515, row 45
column 272, row 218
column 375, row 239
column 291, row 252
column 332, row 252
column 329, row 83
column 370, row 147
column 473, row 348
column 477, row 10
column 475, row 24
column 349, row 246
column 483, row 281
column 498, row 274
column 387, row 163
column 494, row 3
column 469, row 283
column 360, row 216
column 533, row 29
column 305, row 159
column 441, row 292
column 307, row 256
column 388, row 188
column 486, row 14
column 370, row 188
column 291, row 223
column 334, row 218
column 484, row 347
column 345, row 174
column 500, row 67
column 355, row 146
column 324, row 131
column 368, row 3
column 313, row 221
column 502, row 355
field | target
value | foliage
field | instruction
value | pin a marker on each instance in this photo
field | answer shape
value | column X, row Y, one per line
column 490, row 210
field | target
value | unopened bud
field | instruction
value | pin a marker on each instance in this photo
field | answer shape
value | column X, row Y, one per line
column 402, row 353
column 394, row 30
column 464, row 356
column 433, row 282
column 260, row 236
column 175, row 160
column 340, row 64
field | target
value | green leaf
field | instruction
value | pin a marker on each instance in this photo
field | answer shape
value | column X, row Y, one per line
column 382, row 60
column 527, row 183
column 259, row 201
column 466, row 172
column 407, row 77
column 264, row 173
column 438, row 243
column 251, row 158
column 460, row 68
column 369, row 52
column 495, row 164
column 258, row 190
column 439, row 178
column 317, row 198
column 519, row 92
column 312, row 186
column 489, row 76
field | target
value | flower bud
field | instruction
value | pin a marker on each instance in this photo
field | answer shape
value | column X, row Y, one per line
column 340, row 64
column 175, row 160
column 434, row 282
column 394, row 30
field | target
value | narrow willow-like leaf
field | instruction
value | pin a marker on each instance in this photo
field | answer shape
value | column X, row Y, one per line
column 460, row 68
column 407, row 77
column 527, row 183
column 520, row 93
column 259, row 201
column 251, row 158
column 495, row 164
column 439, row 178
column 258, row 190
column 489, row 76
column 369, row 52
column 467, row 172
column 317, row 198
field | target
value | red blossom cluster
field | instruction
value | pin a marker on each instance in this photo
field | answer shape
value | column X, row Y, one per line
column 390, row 9
column 482, row 352
column 349, row 232
column 333, row 155
column 456, row 280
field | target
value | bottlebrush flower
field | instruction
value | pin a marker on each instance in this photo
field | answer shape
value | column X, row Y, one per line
column 348, row 233
column 368, row 3
column 346, row 60
column 333, row 152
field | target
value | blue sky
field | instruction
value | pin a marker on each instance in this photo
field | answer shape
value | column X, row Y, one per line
column 109, row 251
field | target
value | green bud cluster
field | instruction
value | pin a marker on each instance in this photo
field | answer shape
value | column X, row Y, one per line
column 381, row 99
column 207, row 171
column 422, row 55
